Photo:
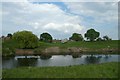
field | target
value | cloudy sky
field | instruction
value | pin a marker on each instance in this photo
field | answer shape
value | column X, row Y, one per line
column 60, row 19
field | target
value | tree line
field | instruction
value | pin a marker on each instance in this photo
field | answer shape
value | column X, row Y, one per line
column 27, row 39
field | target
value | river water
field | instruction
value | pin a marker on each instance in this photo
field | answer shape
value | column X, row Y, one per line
column 56, row 60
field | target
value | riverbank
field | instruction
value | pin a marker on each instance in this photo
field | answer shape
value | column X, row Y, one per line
column 100, row 47
column 82, row 47
column 104, row 70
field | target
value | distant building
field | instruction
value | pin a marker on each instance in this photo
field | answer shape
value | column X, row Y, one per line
column 5, row 38
column 55, row 41
column 64, row 40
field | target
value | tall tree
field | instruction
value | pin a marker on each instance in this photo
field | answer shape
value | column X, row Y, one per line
column 99, row 39
column 9, row 35
column 26, row 39
column 106, row 38
column 91, row 34
column 46, row 37
column 76, row 37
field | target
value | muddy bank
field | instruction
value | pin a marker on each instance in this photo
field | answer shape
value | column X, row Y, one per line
column 72, row 50
column 62, row 51
column 24, row 52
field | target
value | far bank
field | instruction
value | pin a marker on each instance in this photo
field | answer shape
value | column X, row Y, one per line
column 80, row 47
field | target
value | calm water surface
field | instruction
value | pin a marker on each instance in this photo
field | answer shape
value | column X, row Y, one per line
column 56, row 60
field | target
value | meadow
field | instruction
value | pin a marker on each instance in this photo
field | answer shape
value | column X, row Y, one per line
column 104, row 70
column 82, row 44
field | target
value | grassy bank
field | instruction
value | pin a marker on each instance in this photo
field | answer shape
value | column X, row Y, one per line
column 105, row 70
column 82, row 44
column 85, row 47
column 8, row 47
column 0, row 47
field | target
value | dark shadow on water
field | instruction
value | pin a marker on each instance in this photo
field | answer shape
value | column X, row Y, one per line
column 7, row 58
column 75, row 55
column 45, row 57
column 92, row 59
column 27, row 61
column 107, row 56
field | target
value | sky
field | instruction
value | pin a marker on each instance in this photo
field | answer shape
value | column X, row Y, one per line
column 60, row 19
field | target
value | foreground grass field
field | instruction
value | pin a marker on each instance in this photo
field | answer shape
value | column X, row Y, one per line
column 105, row 70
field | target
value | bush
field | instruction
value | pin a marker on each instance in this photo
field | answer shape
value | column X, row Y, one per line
column 76, row 37
column 26, row 39
column 46, row 37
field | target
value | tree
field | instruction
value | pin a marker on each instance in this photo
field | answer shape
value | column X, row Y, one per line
column 99, row 39
column 76, row 37
column 3, row 37
column 26, row 39
column 9, row 35
column 92, row 34
column 46, row 37
column 106, row 38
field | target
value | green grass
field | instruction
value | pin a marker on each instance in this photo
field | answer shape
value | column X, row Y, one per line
column 0, row 47
column 8, row 47
column 87, row 47
column 105, row 70
column 82, row 44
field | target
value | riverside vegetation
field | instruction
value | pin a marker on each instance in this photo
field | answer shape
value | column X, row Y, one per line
column 45, row 45
column 9, row 47
column 76, row 44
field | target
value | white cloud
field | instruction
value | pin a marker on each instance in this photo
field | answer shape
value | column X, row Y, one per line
column 39, row 18
column 51, row 18
column 100, row 11
column 66, row 27
column 61, row 0
column 102, row 16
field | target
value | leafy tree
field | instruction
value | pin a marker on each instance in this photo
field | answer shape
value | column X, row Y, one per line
column 106, row 38
column 99, row 39
column 26, row 39
column 9, row 35
column 92, row 34
column 3, row 37
column 76, row 37
column 46, row 37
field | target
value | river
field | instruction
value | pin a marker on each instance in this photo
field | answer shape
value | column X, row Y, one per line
column 56, row 60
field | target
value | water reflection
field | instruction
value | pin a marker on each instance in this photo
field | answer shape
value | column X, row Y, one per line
column 92, row 59
column 26, row 61
column 107, row 56
column 76, row 55
column 56, row 60
column 45, row 57
column 8, row 62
